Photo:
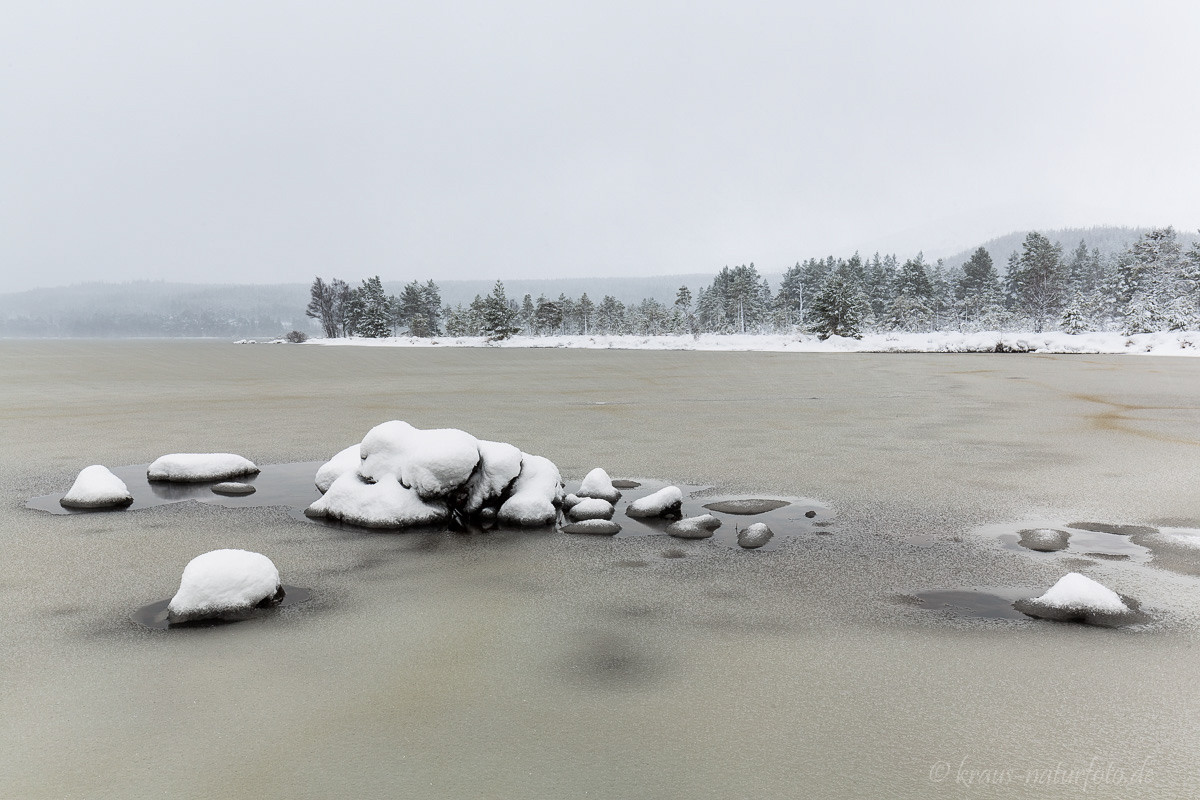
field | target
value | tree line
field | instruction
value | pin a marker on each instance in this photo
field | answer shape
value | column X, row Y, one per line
column 1152, row 285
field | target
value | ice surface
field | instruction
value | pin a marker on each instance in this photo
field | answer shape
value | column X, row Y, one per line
column 597, row 484
column 221, row 581
column 345, row 461
column 194, row 467
column 665, row 501
column 97, row 487
column 535, row 495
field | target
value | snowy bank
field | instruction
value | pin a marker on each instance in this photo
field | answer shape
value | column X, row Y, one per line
column 1167, row 343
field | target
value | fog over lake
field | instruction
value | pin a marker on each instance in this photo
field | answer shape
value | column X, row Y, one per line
column 538, row 664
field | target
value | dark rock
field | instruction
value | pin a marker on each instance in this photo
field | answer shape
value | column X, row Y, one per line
column 233, row 488
column 1044, row 540
column 598, row 527
column 746, row 507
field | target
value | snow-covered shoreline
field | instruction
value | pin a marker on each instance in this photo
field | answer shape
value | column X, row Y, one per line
column 1167, row 343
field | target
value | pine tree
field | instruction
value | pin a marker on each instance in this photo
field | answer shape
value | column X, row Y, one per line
column 1039, row 285
column 497, row 319
column 373, row 309
column 839, row 308
column 587, row 312
column 789, row 302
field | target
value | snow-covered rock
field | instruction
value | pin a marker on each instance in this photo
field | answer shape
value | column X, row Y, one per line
column 755, row 535
column 499, row 466
column 666, row 502
column 598, row 485
column 596, row 527
column 590, row 508
column 196, row 467
column 433, row 463
column 570, row 501
column 536, row 494
column 224, row 581
column 376, row 504
column 700, row 527
column 345, row 461
column 1078, row 598
column 402, row 476
column 97, row 487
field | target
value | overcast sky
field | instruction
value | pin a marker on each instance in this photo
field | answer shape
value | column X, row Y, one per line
column 273, row 141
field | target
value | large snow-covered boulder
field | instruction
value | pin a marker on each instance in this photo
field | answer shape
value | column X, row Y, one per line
column 597, row 484
column 345, row 461
column 97, row 487
column 536, row 494
column 666, row 502
column 1078, row 598
column 222, row 582
column 197, row 467
column 401, row 476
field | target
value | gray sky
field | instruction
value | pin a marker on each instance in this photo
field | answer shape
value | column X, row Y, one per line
column 272, row 141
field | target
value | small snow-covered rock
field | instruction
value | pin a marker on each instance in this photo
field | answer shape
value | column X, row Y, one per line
column 97, row 487
column 536, row 494
column 1078, row 598
column 598, row 485
column 700, row 527
column 666, row 502
column 755, row 535
column 224, row 581
column 376, row 504
column 570, row 501
column 345, row 461
column 590, row 508
column 233, row 488
column 597, row 527
column 197, row 467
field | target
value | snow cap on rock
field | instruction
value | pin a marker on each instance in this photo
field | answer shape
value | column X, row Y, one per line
column 222, row 581
column 197, row 467
column 96, row 487
column 597, row 484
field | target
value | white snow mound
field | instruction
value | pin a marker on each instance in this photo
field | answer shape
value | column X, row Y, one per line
column 597, row 484
column 96, row 487
column 536, row 493
column 193, row 467
column 1079, row 592
column 431, row 462
column 221, row 581
column 653, row 505
column 345, row 461
column 380, row 504
column 590, row 508
column 499, row 466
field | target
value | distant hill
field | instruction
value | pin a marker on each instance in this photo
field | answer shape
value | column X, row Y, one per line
column 1110, row 240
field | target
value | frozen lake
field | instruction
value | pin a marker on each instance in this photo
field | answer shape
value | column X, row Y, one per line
column 525, row 665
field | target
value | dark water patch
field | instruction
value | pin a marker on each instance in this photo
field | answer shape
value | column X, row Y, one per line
column 155, row 615
column 620, row 483
column 632, row 563
column 1049, row 539
column 1108, row 556
column 970, row 603
column 674, row 552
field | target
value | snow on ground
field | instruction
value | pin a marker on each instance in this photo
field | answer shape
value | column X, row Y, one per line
column 221, row 581
column 195, row 467
column 1167, row 343
column 96, row 487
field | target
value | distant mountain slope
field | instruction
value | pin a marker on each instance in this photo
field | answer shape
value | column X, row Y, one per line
column 1109, row 239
